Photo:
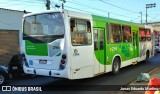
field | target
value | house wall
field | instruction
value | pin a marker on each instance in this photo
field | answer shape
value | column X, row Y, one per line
column 10, row 30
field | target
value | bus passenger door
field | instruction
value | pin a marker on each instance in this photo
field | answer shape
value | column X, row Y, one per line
column 135, row 45
column 99, row 50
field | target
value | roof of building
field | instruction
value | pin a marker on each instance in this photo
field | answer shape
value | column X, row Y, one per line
column 13, row 10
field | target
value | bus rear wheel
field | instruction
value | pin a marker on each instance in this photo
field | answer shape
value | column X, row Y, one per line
column 116, row 66
column 147, row 56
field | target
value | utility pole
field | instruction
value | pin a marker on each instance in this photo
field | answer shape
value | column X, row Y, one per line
column 108, row 14
column 48, row 3
column 149, row 6
column 63, row 1
column 141, row 16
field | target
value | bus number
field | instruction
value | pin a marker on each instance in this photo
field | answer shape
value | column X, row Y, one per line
column 113, row 49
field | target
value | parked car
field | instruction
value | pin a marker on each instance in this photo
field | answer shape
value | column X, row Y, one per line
column 15, row 67
column 3, row 74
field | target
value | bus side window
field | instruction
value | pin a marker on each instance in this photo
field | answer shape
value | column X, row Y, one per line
column 101, row 39
column 95, row 34
column 80, row 32
column 126, row 33
column 111, row 35
column 115, row 33
column 148, row 34
column 89, row 35
column 73, row 30
column 142, row 34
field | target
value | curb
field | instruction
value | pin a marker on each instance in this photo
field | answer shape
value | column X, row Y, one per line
column 153, row 70
column 148, row 73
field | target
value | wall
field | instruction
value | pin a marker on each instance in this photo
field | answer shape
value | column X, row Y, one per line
column 11, row 20
column 10, row 30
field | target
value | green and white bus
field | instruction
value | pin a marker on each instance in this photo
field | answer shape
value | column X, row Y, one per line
column 75, row 45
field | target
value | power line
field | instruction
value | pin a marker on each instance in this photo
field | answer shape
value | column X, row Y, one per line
column 110, row 12
column 89, row 11
column 20, row 3
column 154, row 17
column 118, row 6
column 28, row 1
column 34, row 1
column 121, row 7
column 84, row 5
column 80, row 10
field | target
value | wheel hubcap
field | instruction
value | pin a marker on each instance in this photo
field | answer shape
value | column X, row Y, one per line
column 1, row 79
column 116, row 66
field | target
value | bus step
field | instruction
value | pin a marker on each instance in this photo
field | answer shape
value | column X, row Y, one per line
column 134, row 63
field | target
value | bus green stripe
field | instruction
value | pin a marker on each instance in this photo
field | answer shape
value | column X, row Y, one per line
column 36, row 49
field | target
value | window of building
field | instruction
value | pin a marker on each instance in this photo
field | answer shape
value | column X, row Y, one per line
column 142, row 34
column 80, row 32
column 126, row 31
column 115, row 33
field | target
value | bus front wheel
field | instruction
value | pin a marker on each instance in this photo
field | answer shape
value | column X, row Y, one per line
column 116, row 65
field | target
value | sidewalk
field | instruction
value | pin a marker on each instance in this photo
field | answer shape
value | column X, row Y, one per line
column 153, row 73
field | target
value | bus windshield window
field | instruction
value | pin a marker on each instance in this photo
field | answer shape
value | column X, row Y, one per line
column 46, row 27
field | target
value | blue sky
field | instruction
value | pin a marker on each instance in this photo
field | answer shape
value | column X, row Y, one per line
column 128, row 10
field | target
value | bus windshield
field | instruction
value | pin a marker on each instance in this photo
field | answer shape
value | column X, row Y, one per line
column 44, row 28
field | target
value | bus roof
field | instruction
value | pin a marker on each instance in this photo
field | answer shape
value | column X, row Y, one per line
column 96, row 17
column 112, row 20
column 35, row 13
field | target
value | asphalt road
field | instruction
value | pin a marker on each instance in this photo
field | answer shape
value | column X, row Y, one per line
column 126, row 75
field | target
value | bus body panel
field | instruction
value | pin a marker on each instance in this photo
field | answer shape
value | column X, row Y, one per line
column 53, row 55
column 81, row 57
column 129, row 52
column 45, row 58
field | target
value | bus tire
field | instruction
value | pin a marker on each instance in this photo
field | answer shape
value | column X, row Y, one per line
column 116, row 66
column 2, row 79
column 147, row 56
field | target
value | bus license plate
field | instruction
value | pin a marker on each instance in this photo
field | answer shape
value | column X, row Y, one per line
column 42, row 61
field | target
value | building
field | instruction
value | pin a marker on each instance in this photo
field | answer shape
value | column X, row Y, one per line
column 10, row 30
column 156, row 28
